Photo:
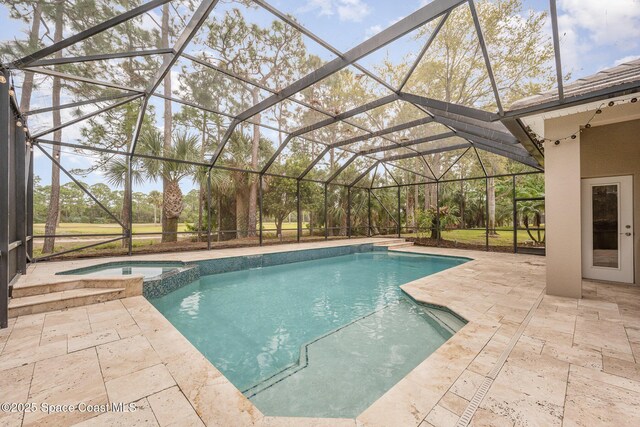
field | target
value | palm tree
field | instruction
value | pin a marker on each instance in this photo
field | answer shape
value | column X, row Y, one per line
column 528, row 188
column 185, row 147
column 116, row 175
column 222, row 185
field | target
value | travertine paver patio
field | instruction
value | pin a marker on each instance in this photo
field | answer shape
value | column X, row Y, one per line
column 568, row 361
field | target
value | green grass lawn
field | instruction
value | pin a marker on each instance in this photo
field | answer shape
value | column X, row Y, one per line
column 83, row 228
column 477, row 237
column 142, row 243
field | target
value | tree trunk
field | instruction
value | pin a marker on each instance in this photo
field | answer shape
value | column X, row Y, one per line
column 166, row 227
column 34, row 38
column 344, row 220
column 53, row 212
column 253, row 189
column 279, row 227
column 491, row 192
column 173, row 206
column 434, row 228
column 241, row 213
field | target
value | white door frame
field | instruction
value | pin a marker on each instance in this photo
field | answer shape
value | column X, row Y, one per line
column 624, row 272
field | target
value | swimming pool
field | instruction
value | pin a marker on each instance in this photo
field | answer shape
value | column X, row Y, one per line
column 320, row 338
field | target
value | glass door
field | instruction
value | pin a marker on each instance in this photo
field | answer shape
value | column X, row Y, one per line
column 607, row 229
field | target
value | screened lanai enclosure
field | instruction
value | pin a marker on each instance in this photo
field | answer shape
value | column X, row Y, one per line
column 134, row 127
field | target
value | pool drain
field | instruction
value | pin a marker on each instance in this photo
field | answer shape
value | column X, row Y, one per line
column 482, row 391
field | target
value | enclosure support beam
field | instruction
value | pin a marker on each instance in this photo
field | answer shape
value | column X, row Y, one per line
column 505, row 150
column 341, row 168
column 556, row 48
column 515, row 217
column 394, row 32
column 448, row 108
column 209, row 210
column 306, row 129
column 365, row 173
column 386, row 131
column 485, row 54
column 314, row 162
column 443, row 181
column 78, row 103
column 399, row 215
column 486, row 207
column 138, row 128
column 30, row 206
column 99, row 57
column 517, row 128
column 349, row 212
column 105, row 25
column 515, row 150
column 130, row 223
column 78, row 249
column 368, row 212
column 404, row 26
column 5, row 117
column 298, row 212
column 21, row 196
column 259, row 206
column 423, row 51
column 405, row 144
column 197, row 19
column 318, row 40
column 86, row 116
column 74, row 78
column 264, row 87
column 437, row 213
column 385, row 208
column 82, row 187
column 454, row 163
column 424, row 153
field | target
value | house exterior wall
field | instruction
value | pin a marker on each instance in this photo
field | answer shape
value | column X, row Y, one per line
column 610, row 150
column 611, row 146
column 562, row 207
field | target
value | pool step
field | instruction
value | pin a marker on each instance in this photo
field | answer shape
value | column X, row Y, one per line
column 62, row 299
column 66, row 293
column 131, row 283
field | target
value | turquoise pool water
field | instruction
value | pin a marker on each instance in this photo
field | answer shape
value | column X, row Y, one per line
column 322, row 338
column 132, row 271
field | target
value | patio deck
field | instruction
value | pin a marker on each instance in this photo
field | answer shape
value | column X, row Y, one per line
column 542, row 360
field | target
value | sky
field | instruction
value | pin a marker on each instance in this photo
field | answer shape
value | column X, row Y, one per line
column 594, row 34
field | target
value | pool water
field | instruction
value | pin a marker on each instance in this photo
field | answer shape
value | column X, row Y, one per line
column 136, row 268
column 147, row 272
column 321, row 338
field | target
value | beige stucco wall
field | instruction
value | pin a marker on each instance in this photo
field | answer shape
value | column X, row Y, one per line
column 611, row 147
column 562, row 208
column 610, row 150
